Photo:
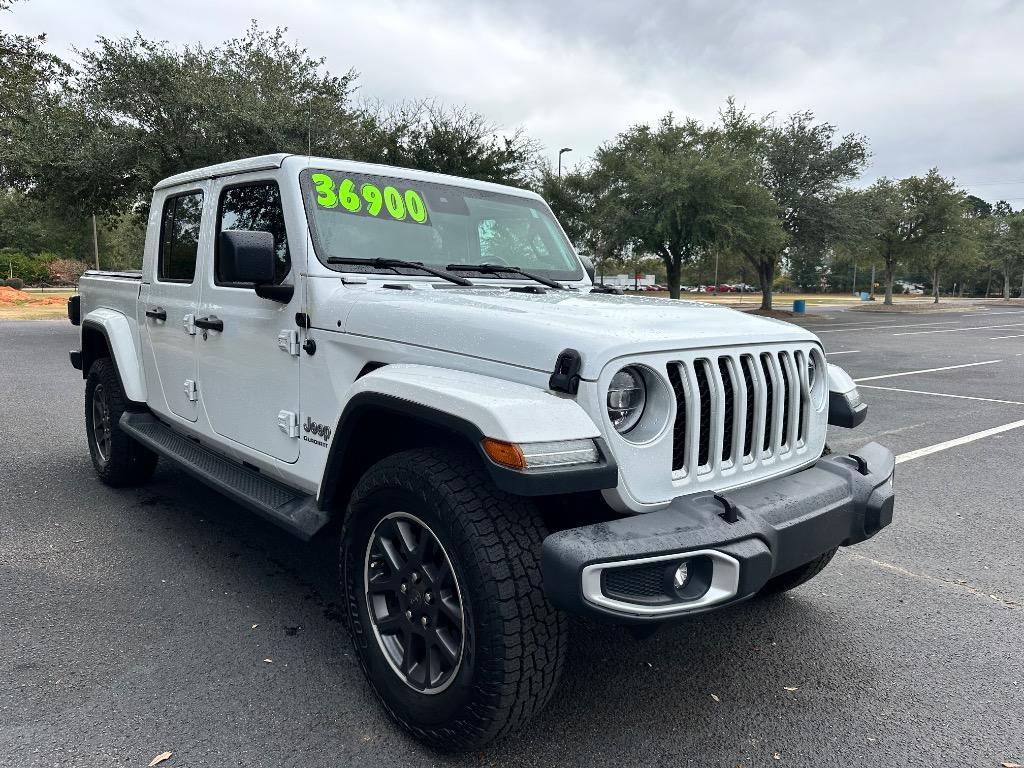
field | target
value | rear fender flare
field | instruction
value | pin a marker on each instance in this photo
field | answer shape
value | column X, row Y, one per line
column 117, row 331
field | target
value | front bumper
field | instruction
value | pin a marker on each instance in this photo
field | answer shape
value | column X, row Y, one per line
column 733, row 543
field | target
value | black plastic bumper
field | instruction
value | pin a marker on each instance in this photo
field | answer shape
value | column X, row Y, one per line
column 777, row 525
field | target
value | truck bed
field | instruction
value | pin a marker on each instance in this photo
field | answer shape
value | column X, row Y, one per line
column 118, row 291
column 115, row 290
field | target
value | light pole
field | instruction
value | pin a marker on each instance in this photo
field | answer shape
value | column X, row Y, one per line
column 561, row 152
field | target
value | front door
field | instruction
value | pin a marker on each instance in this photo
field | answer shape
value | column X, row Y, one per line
column 167, row 303
column 249, row 369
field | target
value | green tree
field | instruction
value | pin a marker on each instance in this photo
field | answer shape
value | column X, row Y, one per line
column 31, row 226
column 912, row 221
column 96, row 138
column 804, row 165
column 574, row 198
column 28, row 78
column 430, row 136
column 1004, row 243
column 953, row 242
column 807, row 267
column 675, row 191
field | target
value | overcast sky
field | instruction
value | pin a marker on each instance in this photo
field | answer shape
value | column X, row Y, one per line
column 931, row 83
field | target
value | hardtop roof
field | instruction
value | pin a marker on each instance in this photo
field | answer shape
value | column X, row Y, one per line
column 275, row 161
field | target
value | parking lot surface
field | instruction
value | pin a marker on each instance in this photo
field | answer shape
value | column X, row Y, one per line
column 165, row 618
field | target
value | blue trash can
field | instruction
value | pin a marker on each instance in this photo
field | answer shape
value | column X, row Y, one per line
column 799, row 306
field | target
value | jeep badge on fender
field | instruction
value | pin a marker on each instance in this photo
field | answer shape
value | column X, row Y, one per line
column 319, row 430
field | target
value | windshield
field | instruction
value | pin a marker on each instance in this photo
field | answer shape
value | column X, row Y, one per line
column 369, row 217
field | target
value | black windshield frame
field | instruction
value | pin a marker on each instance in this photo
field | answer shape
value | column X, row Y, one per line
column 320, row 249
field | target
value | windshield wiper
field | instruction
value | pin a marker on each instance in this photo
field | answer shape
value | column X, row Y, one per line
column 492, row 269
column 397, row 263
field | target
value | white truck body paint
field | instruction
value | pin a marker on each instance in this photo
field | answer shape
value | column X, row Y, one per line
column 529, row 330
column 501, row 409
column 122, row 334
column 485, row 353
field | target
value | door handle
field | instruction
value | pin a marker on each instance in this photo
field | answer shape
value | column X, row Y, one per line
column 210, row 323
column 157, row 313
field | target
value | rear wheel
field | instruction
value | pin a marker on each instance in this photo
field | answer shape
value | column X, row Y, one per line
column 118, row 459
column 444, row 599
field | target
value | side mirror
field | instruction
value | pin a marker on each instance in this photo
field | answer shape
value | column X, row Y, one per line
column 246, row 257
column 588, row 265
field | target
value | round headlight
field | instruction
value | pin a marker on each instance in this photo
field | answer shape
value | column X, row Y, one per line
column 626, row 397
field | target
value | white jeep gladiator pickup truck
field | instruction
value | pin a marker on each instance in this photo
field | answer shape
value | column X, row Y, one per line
column 426, row 362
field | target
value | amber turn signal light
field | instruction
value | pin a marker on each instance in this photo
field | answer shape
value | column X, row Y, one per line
column 506, row 454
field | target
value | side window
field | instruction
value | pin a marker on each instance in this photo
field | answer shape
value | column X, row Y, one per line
column 179, row 237
column 256, row 207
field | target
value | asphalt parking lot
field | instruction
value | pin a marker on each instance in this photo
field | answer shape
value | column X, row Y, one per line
column 138, row 621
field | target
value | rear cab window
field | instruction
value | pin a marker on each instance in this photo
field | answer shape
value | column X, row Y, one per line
column 179, row 237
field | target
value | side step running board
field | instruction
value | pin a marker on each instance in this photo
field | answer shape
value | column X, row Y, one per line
column 293, row 510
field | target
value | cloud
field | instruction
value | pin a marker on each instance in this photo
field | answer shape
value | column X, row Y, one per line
column 930, row 84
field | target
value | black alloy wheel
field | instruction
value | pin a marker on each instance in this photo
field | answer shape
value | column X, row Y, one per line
column 116, row 457
column 414, row 603
column 101, row 423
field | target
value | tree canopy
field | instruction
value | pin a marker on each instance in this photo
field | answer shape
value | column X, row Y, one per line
column 677, row 190
column 95, row 137
column 769, row 194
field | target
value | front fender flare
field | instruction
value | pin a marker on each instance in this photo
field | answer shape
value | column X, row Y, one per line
column 504, row 410
column 118, row 332
column 472, row 406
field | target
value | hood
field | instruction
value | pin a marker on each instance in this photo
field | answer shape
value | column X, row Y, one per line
column 529, row 330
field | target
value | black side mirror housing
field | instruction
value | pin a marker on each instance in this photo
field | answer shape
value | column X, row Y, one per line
column 588, row 265
column 246, row 256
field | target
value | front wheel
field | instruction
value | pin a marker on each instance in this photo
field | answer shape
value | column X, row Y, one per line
column 444, row 599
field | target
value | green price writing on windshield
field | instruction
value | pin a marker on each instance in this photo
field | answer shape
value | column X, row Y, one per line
column 369, row 199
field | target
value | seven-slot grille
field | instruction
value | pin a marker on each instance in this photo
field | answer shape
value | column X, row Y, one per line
column 733, row 408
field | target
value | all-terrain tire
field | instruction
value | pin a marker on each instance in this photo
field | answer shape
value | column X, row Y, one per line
column 514, row 641
column 118, row 459
column 792, row 579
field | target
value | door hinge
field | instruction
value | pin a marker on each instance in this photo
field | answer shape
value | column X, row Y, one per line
column 288, row 423
column 288, row 341
column 191, row 392
column 189, row 323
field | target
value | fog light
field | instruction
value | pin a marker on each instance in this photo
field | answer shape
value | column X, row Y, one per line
column 682, row 575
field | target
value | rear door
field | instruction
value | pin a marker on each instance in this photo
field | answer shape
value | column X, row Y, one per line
column 249, row 370
column 169, row 297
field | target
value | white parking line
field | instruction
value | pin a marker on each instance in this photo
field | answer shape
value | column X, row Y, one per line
column 844, row 352
column 943, row 394
column 824, row 324
column 887, row 327
column 992, row 314
column 957, row 330
column 994, row 338
column 925, row 370
column 911, row 455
